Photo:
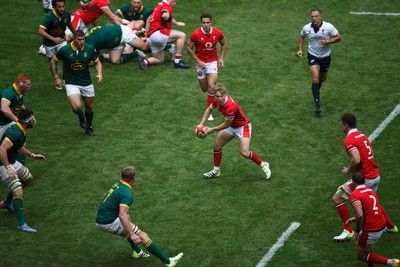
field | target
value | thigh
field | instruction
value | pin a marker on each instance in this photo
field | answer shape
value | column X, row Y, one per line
column 315, row 70
column 373, row 183
column 223, row 137
column 345, row 190
column 157, row 42
column 87, row 91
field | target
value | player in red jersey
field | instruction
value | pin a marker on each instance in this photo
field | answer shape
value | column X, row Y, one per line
column 159, row 33
column 370, row 222
column 362, row 160
column 235, row 124
column 205, row 39
column 88, row 14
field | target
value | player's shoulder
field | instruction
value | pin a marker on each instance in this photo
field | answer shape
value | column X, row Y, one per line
column 328, row 25
column 89, row 47
column 67, row 14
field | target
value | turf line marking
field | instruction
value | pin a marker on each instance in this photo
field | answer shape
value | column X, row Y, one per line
column 374, row 13
column 281, row 241
column 385, row 123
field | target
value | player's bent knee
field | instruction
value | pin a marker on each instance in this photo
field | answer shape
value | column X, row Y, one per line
column 25, row 177
column 19, row 192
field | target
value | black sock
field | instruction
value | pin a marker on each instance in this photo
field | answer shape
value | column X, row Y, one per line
column 315, row 91
column 80, row 116
column 89, row 119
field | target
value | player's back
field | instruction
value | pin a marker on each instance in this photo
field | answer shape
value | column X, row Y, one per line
column 102, row 37
column 374, row 219
column 367, row 167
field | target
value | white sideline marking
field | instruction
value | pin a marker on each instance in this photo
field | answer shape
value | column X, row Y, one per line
column 281, row 241
column 385, row 123
column 374, row 13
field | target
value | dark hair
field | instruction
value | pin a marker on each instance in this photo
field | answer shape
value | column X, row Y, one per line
column 79, row 33
column 24, row 115
column 205, row 15
column 349, row 119
column 53, row 2
column 358, row 178
column 316, row 9
column 128, row 173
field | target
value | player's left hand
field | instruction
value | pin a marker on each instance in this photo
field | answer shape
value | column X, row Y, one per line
column 208, row 130
column 99, row 78
column 350, row 220
column 38, row 157
column 221, row 63
column 354, row 237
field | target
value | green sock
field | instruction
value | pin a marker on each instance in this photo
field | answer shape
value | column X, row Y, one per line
column 80, row 115
column 18, row 205
column 153, row 249
column 136, row 248
column 168, row 46
column 89, row 118
column 127, row 57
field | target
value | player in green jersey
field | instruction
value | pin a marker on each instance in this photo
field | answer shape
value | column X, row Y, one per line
column 12, row 101
column 113, row 217
column 53, row 27
column 135, row 13
column 116, row 37
column 12, row 172
column 76, row 57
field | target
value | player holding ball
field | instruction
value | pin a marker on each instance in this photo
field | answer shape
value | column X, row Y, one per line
column 235, row 124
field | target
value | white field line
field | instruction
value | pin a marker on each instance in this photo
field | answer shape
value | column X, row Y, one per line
column 374, row 13
column 385, row 123
column 281, row 241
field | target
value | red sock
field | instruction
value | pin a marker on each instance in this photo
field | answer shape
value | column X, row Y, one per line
column 178, row 56
column 135, row 29
column 389, row 223
column 254, row 157
column 375, row 258
column 217, row 157
column 210, row 98
column 345, row 215
column 147, row 61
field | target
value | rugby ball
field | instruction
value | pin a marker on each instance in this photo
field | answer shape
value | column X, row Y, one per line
column 201, row 132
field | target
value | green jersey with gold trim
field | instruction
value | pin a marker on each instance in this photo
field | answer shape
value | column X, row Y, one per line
column 104, row 37
column 16, row 135
column 76, row 63
column 129, row 14
column 16, row 99
column 118, row 194
column 55, row 26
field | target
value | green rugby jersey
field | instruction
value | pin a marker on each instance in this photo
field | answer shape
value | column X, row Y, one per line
column 16, row 99
column 76, row 63
column 16, row 135
column 55, row 26
column 128, row 14
column 118, row 194
column 104, row 37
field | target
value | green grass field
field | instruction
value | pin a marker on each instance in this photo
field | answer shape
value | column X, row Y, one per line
column 147, row 119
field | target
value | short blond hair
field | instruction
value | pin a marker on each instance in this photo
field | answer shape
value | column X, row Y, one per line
column 220, row 88
column 128, row 173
